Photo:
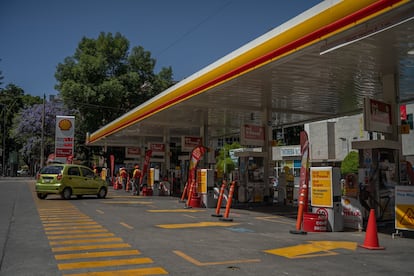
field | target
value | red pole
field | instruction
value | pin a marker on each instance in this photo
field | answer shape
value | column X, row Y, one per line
column 184, row 192
column 220, row 199
column 190, row 193
column 229, row 199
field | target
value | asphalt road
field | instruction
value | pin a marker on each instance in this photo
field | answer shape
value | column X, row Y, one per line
column 154, row 235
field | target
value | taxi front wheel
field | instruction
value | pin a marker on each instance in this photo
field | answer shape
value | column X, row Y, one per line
column 102, row 192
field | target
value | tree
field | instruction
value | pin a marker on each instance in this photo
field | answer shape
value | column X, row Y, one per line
column 1, row 77
column 224, row 163
column 103, row 75
column 10, row 103
column 350, row 163
column 27, row 129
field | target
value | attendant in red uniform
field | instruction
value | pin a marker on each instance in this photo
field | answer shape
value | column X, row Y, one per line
column 136, row 175
column 124, row 178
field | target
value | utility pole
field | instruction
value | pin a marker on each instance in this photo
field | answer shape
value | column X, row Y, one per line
column 42, row 158
column 3, row 148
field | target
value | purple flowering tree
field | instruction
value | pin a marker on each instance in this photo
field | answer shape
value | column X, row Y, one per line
column 27, row 129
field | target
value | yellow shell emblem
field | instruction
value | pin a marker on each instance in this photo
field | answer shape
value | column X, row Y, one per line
column 65, row 124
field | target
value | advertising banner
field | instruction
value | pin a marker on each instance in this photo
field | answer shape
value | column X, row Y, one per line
column 112, row 160
column 147, row 160
column 195, row 158
column 64, row 138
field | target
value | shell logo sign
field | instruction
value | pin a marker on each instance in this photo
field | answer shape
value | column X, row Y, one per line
column 65, row 124
column 64, row 140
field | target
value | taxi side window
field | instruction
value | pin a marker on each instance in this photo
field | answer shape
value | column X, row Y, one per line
column 88, row 173
column 73, row 171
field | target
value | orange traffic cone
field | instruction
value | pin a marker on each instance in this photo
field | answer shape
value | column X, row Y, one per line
column 371, row 236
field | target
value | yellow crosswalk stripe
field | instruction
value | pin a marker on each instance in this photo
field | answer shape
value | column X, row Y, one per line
column 96, row 254
column 86, row 241
column 90, row 247
column 128, row 272
column 91, row 264
column 97, row 235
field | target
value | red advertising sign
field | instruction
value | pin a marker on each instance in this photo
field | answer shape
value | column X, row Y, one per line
column 61, row 152
column 189, row 142
column 403, row 112
column 157, row 148
column 252, row 135
column 132, row 152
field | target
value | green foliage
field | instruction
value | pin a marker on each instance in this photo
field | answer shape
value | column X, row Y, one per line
column 224, row 164
column 103, row 80
column 12, row 101
column 350, row 163
column 103, row 75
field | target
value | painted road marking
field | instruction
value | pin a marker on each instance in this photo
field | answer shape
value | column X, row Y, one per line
column 126, row 225
column 127, row 272
column 240, row 230
column 80, row 231
column 278, row 219
column 71, row 224
column 96, row 254
column 73, row 221
column 314, row 249
column 196, row 224
column 176, row 211
column 73, row 227
column 90, row 247
column 198, row 263
column 69, row 236
column 128, row 202
column 85, row 241
column 92, row 264
column 100, row 212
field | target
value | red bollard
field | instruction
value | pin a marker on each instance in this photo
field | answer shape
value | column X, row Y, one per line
column 220, row 199
column 184, row 192
column 190, row 194
column 229, row 199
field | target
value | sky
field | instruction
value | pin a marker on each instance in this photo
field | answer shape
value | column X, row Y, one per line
column 187, row 35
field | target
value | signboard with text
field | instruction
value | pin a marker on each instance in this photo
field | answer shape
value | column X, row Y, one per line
column 253, row 135
column 321, row 191
column 377, row 116
column 188, row 143
column 64, row 138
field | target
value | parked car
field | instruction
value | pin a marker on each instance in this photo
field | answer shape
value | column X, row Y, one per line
column 67, row 180
column 23, row 172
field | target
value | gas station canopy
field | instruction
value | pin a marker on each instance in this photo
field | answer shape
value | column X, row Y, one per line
column 319, row 65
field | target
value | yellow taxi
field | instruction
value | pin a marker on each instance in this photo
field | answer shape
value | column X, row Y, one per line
column 69, row 179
